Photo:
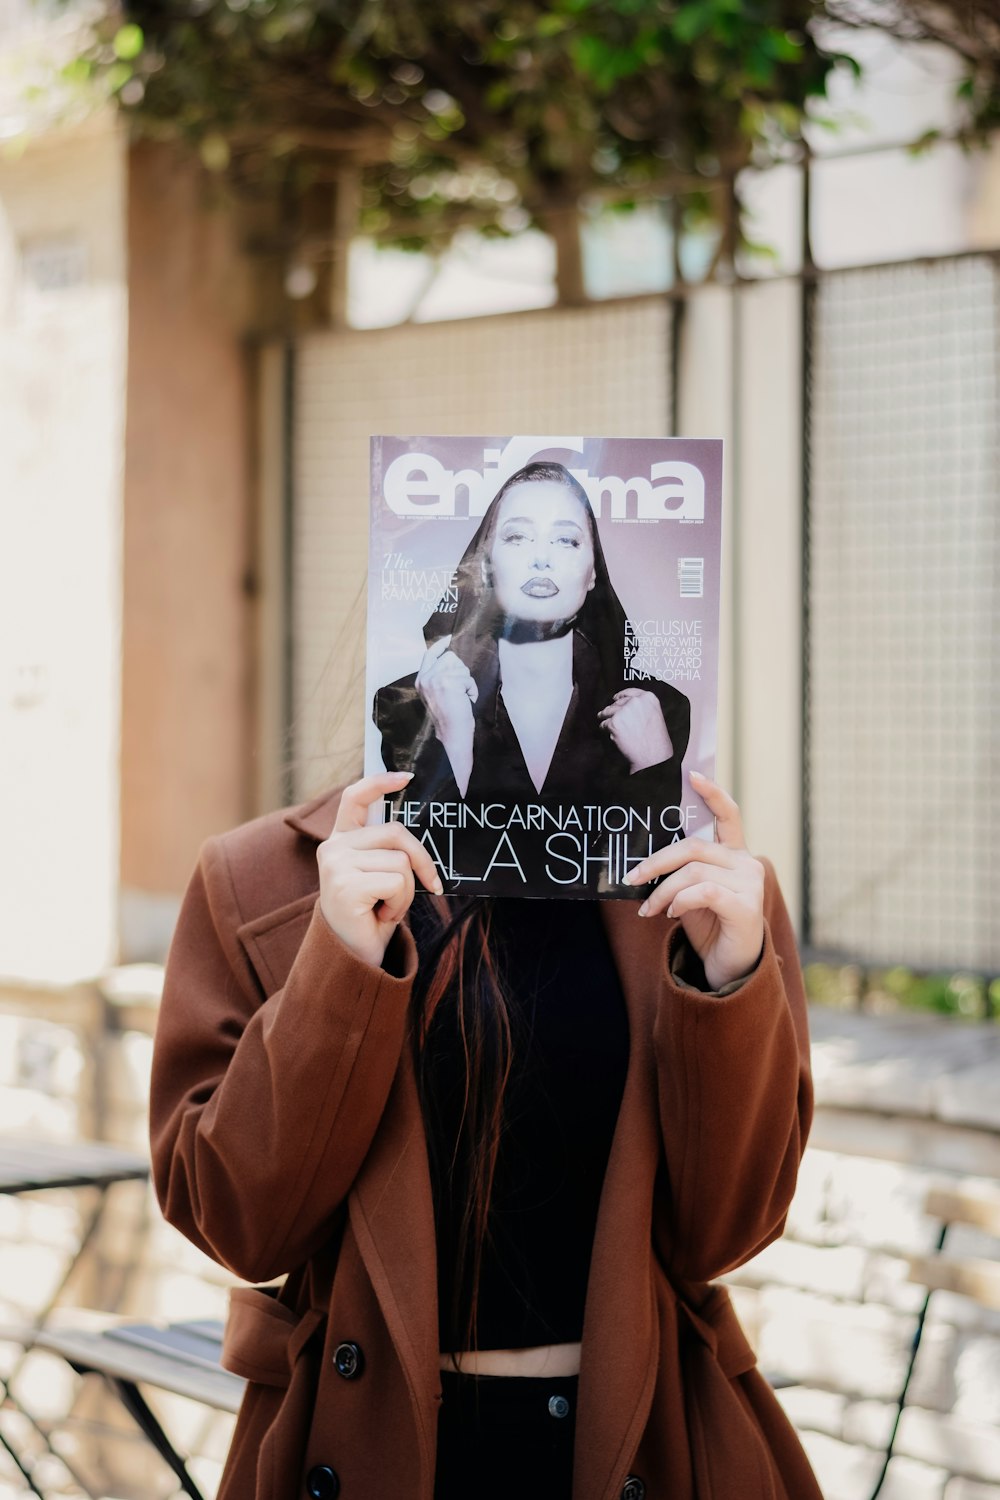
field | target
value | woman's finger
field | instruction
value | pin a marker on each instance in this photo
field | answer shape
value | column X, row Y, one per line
column 698, row 872
column 453, row 666
column 432, row 657
column 693, row 873
column 384, row 885
column 372, row 861
column 674, row 856
column 395, row 836
column 394, row 908
column 357, row 798
column 728, row 820
column 706, row 895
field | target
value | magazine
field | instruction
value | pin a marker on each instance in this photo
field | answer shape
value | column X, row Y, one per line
column 543, row 629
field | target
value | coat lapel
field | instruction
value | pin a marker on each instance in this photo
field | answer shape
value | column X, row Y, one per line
column 272, row 941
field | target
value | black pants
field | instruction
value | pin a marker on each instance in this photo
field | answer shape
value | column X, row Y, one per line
column 505, row 1435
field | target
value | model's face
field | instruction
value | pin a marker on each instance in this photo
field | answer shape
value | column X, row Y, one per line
column 542, row 558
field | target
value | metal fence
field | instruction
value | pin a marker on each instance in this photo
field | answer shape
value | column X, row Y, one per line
column 902, row 589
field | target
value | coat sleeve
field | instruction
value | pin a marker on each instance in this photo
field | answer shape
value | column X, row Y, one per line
column 735, row 1103
column 262, row 1110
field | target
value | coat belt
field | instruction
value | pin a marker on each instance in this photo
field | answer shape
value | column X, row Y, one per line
column 715, row 1322
column 263, row 1337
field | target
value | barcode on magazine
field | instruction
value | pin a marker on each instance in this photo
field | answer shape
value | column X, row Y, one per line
column 691, row 575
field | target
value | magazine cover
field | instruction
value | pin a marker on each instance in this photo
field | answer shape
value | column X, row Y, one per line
column 543, row 628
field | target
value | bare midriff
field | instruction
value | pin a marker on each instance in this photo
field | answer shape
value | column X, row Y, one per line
column 541, row 1361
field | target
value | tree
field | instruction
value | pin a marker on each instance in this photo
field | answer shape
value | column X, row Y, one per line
column 501, row 113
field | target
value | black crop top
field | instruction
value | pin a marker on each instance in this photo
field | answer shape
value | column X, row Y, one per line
column 570, row 1054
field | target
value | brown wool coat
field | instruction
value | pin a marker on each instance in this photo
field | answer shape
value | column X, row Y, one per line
column 287, row 1138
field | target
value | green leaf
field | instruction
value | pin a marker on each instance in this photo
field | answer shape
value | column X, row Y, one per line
column 118, row 76
column 759, row 249
column 845, row 60
column 692, row 21
column 781, row 45
column 128, row 42
column 77, row 70
column 925, row 142
column 758, row 67
column 498, row 95
column 589, row 54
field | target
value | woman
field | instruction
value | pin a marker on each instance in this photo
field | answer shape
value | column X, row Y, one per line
column 525, row 692
column 312, row 1010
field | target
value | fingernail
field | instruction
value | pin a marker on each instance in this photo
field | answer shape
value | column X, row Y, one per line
column 644, row 909
column 670, row 909
column 438, row 888
column 628, row 879
column 697, row 776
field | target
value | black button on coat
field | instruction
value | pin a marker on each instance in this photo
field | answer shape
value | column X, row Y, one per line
column 348, row 1360
column 322, row 1483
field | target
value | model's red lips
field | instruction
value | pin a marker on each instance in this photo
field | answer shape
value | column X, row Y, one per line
column 540, row 588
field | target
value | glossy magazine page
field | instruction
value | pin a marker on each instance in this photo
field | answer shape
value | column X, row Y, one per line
column 543, row 630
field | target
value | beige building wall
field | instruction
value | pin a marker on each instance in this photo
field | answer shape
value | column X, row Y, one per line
column 187, row 682
column 62, row 400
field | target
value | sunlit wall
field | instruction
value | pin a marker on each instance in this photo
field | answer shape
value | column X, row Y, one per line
column 62, row 400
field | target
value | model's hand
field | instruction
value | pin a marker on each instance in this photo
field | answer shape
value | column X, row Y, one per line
column 716, row 890
column 634, row 720
column 366, row 875
column 449, row 690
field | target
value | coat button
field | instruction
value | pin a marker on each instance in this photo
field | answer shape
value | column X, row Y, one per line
column 633, row 1488
column 348, row 1361
column 322, row 1483
column 558, row 1406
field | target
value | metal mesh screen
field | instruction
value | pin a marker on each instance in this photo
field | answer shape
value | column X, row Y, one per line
column 903, row 817
column 600, row 369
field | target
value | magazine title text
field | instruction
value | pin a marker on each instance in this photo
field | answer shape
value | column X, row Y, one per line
column 418, row 484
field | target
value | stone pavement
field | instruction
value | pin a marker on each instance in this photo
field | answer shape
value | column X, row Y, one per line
column 927, row 1066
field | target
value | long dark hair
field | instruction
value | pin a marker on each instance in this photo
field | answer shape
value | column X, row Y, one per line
column 460, row 993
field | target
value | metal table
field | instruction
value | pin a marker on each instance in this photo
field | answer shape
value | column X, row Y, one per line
column 38, row 1166
column 99, row 1344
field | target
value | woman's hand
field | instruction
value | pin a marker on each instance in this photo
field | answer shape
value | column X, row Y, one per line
column 635, row 722
column 366, row 875
column 716, row 890
column 449, row 690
